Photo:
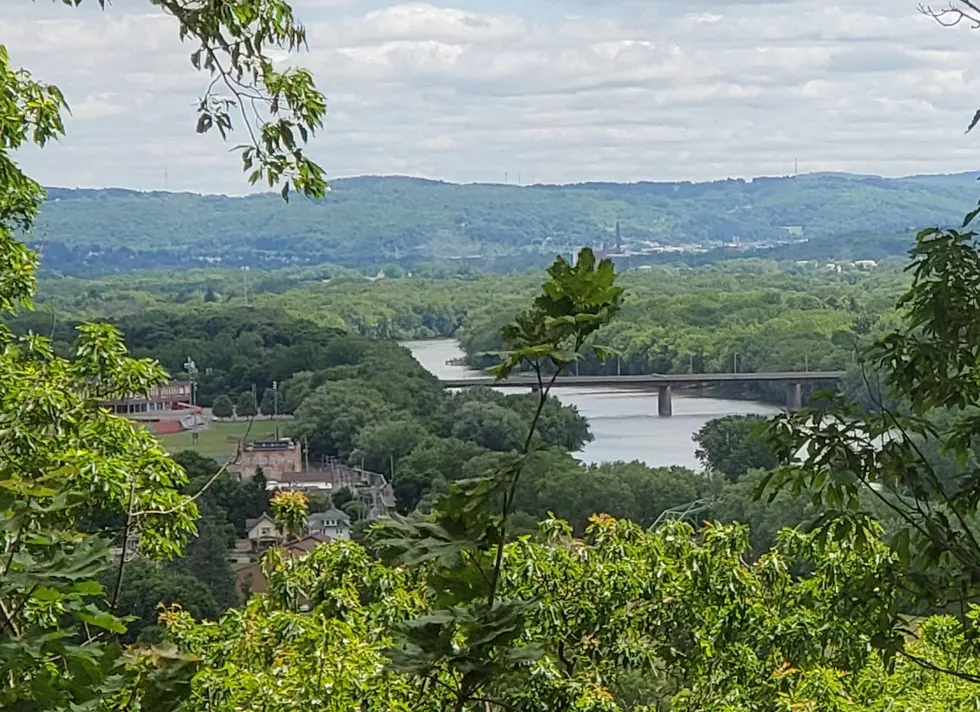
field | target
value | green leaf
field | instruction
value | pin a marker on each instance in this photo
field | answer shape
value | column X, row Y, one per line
column 100, row 619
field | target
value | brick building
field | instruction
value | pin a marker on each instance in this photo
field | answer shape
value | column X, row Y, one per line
column 276, row 458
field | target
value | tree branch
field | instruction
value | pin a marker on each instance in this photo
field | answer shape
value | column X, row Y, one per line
column 204, row 488
column 125, row 546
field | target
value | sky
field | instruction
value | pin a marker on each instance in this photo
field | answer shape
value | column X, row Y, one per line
column 548, row 91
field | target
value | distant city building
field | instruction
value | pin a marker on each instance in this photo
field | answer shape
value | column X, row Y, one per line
column 865, row 264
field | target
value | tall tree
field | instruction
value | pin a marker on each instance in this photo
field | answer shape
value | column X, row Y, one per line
column 245, row 405
column 206, row 556
column 270, row 402
column 223, row 407
column 733, row 445
column 857, row 463
column 62, row 455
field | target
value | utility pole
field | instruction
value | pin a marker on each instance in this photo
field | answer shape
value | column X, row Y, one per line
column 735, row 363
column 275, row 399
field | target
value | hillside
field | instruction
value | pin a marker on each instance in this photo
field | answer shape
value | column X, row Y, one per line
column 370, row 220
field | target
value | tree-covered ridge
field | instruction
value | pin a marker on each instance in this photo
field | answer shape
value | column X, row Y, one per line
column 373, row 220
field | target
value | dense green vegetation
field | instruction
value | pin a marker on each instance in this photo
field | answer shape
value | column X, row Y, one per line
column 478, row 600
column 372, row 221
column 746, row 317
column 752, row 315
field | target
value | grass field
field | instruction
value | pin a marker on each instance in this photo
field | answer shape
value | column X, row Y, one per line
column 219, row 440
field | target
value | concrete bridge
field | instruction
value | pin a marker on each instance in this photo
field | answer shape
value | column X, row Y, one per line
column 794, row 381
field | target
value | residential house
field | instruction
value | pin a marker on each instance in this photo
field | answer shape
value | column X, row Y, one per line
column 262, row 533
column 332, row 523
column 249, row 579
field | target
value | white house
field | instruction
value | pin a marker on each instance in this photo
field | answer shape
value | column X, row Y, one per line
column 332, row 523
column 262, row 532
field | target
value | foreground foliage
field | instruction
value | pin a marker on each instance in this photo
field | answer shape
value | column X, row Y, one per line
column 908, row 456
column 73, row 478
column 672, row 618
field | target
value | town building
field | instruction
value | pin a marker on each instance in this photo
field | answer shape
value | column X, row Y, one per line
column 329, row 476
column 262, row 533
column 164, row 409
column 277, row 458
column 249, row 579
column 333, row 523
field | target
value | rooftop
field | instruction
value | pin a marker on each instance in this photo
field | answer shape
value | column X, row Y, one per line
column 330, row 514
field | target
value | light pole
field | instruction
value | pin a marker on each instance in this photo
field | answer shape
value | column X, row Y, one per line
column 191, row 369
column 275, row 400
column 735, row 363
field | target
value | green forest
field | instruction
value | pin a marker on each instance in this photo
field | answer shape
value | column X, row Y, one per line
column 753, row 315
column 372, row 221
column 821, row 560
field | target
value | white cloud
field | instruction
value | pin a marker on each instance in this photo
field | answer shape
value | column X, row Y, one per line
column 580, row 91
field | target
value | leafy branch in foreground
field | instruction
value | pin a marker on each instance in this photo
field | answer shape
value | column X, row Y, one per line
column 472, row 642
column 66, row 463
column 279, row 110
column 913, row 466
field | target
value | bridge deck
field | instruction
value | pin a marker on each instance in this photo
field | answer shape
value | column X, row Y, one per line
column 522, row 380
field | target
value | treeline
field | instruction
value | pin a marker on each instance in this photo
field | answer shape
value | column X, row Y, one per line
column 436, row 302
column 371, row 221
column 747, row 315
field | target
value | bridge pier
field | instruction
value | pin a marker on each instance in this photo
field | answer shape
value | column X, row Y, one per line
column 794, row 396
column 664, row 406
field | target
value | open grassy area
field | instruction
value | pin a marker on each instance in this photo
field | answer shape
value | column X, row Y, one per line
column 219, row 440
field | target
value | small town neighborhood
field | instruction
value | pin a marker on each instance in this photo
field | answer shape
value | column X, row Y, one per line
column 264, row 532
column 284, row 464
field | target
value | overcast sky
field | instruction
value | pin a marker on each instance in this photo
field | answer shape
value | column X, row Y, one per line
column 541, row 90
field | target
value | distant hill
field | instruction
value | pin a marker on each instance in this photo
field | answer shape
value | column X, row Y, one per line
column 373, row 220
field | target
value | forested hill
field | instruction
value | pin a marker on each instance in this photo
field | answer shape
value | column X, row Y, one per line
column 370, row 220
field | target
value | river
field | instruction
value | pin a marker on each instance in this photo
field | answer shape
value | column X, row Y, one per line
column 624, row 422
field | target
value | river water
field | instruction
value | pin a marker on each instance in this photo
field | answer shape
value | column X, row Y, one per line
column 624, row 422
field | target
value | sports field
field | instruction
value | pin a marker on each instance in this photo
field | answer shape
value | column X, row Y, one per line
column 220, row 439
